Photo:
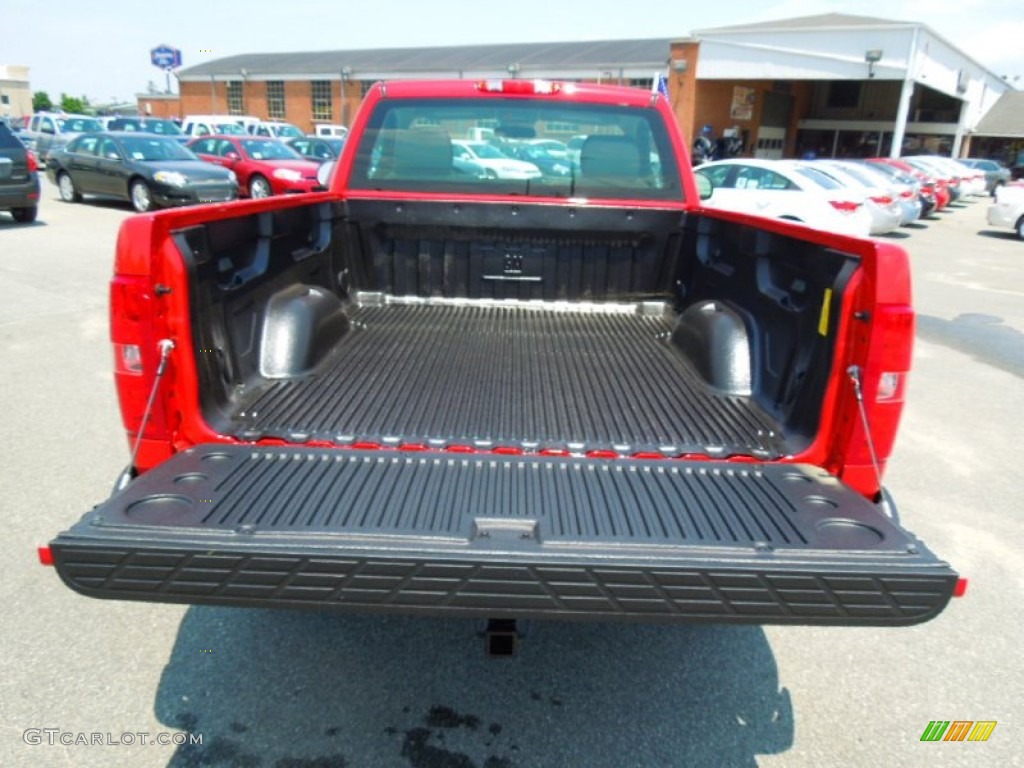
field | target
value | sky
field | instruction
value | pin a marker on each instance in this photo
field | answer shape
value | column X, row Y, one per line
column 100, row 49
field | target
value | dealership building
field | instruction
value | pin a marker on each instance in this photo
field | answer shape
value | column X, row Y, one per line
column 828, row 85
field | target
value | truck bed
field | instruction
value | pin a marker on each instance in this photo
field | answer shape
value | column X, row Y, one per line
column 490, row 375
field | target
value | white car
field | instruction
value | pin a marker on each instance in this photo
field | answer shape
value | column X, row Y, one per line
column 1008, row 209
column 330, row 130
column 786, row 189
column 972, row 181
column 880, row 199
column 196, row 126
column 494, row 163
column 275, row 129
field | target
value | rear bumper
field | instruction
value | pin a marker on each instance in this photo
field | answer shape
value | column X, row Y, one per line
column 607, row 586
column 20, row 194
column 492, row 536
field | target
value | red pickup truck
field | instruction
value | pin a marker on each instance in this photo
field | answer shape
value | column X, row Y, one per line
column 430, row 390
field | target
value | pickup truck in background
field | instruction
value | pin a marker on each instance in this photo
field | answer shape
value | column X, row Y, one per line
column 47, row 131
column 576, row 396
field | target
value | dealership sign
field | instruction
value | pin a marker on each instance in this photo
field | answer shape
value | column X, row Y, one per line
column 165, row 57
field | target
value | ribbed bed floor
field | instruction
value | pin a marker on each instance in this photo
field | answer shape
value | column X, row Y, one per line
column 508, row 376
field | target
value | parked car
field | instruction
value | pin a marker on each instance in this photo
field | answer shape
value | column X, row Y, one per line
column 264, row 166
column 949, row 178
column 972, row 181
column 996, row 174
column 929, row 180
column 922, row 190
column 880, row 199
column 496, row 164
column 195, row 126
column 326, row 130
column 786, row 189
column 148, row 170
column 905, row 190
column 540, row 156
column 275, row 129
column 465, row 167
column 315, row 149
column 557, row 149
column 1008, row 208
column 155, row 125
column 19, row 178
column 50, row 130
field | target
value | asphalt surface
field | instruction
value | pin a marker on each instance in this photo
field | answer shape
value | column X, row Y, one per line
column 266, row 688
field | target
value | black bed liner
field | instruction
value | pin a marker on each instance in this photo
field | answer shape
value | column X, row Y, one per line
column 488, row 535
column 510, row 375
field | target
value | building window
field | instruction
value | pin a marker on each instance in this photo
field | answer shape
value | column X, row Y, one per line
column 844, row 94
column 641, row 82
column 235, row 105
column 323, row 108
column 364, row 87
column 275, row 99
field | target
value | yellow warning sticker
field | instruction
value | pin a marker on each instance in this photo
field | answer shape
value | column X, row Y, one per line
column 826, row 307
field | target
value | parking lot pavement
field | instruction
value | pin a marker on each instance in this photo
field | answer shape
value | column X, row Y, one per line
column 266, row 688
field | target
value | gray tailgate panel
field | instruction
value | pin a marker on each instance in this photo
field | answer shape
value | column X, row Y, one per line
column 496, row 535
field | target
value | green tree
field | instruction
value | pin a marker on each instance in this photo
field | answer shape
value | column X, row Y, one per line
column 73, row 103
column 41, row 101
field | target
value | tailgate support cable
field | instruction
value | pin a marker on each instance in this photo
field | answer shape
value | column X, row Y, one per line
column 854, row 373
column 166, row 345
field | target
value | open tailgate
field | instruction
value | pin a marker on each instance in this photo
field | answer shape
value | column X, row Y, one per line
column 510, row 536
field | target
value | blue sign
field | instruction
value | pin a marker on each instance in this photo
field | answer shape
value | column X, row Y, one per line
column 165, row 57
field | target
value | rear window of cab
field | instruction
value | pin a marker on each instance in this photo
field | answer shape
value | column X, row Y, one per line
column 528, row 147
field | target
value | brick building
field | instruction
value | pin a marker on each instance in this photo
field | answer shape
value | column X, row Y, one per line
column 832, row 85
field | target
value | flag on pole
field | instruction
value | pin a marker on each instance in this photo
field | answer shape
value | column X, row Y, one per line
column 660, row 84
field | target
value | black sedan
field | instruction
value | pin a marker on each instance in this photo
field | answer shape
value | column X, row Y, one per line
column 316, row 149
column 150, row 171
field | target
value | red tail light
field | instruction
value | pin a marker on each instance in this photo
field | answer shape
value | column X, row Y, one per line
column 136, row 355
column 845, row 206
column 33, row 165
column 883, row 386
column 961, row 587
column 907, row 194
column 882, row 200
column 45, row 555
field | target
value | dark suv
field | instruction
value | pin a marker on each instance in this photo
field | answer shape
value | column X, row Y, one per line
column 19, row 178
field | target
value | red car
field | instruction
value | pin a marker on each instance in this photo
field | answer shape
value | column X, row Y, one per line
column 264, row 166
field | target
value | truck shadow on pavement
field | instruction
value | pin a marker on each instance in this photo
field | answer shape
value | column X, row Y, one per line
column 304, row 690
column 986, row 338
